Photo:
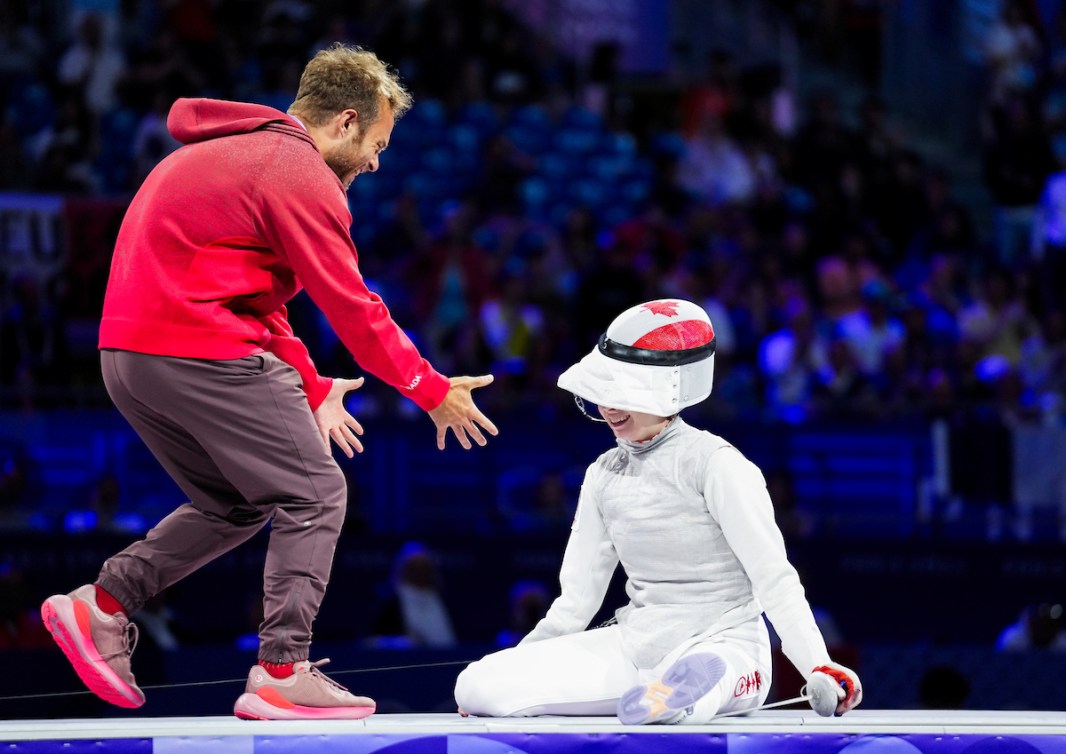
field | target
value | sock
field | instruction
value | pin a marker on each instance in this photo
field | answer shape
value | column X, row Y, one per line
column 107, row 603
column 278, row 669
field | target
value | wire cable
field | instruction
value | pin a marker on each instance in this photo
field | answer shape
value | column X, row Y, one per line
column 194, row 684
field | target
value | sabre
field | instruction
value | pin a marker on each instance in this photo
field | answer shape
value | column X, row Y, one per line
column 820, row 691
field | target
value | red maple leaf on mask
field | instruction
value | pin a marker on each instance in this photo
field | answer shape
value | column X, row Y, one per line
column 666, row 308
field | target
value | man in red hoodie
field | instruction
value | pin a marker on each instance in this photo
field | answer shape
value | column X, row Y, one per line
column 198, row 355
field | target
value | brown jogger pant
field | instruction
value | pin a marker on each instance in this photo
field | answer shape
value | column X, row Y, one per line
column 240, row 440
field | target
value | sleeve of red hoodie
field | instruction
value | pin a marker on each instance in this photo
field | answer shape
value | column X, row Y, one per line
column 286, row 346
column 305, row 219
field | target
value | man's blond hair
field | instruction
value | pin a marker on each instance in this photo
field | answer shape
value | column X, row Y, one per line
column 343, row 76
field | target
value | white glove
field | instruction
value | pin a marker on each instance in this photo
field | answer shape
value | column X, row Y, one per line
column 833, row 689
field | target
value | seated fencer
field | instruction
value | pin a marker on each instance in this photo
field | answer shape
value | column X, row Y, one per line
column 691, row 522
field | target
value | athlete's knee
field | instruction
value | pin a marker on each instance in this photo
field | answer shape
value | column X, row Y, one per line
column 470, row 690
column 488, row 690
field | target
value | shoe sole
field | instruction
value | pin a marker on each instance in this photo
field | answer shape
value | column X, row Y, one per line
column 67, row 621
column 687, row 681
column 254, row 707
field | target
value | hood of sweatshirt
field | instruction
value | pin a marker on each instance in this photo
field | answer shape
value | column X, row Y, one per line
column 198, row 119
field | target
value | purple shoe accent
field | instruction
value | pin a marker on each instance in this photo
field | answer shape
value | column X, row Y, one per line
column 685, row 682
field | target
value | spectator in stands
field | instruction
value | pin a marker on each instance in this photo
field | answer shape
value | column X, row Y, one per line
column 1012, row 49
column 839, row 281
column 65, row 149
column 1055, row 93
column 943, row 294
column 92, row 66
column 542, row 505
column 15, row 165
column 401, row 239
column 841, row 388
column 715, row 94
column 1049, row 236
column 513, row 328
column 872, row 333
column 948, row 227
column 451, row 282
column 998, row 321
column 160, row 64
column 503, row 167
column 613, row 284
column 1017, row 161
column 513, row 77
column 878, row 141
column 1040, row 626
column 152, row 141
column 899, row 201
column 102, row 512
column 20, row 490
column 412, row 611
column 22, row 46
column 528, row 600
column 32, row 338
column 822, row 145
column 795, row 521
column 789, row 359
column 981, row 451
column 714, row 168
column 1043, row 367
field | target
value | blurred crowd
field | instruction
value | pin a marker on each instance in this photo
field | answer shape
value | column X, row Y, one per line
column 844, row 276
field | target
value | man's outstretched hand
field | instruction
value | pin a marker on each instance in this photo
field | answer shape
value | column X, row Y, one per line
column 458, row 413
column 335, row 422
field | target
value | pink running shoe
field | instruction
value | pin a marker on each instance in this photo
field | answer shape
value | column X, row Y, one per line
column 305, row 695
column 97, row 644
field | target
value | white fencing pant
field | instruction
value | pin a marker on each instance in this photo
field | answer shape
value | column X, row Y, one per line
column 586, row 673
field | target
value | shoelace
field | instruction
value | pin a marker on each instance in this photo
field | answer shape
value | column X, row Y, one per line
column 129, row 642
column 314, row 670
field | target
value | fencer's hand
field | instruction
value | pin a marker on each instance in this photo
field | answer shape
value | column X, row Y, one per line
column 833, row 689
column 334, row 421
column 458, row 413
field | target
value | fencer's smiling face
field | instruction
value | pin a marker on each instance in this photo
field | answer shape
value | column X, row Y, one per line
column 632, row 425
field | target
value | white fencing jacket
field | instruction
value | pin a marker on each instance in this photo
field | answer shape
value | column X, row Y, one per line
column 690, row 520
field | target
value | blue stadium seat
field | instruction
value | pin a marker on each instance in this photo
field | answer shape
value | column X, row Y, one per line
column 557, row 166
column 668, row 144
column 30, row 108
column 439, row 160
column 531, row 116
column 425, row 125
column 528, row 139
column 114, row 161
column 481, row 116
column 620, row 144
column 535, row 193
column 581, row 118
column 609, row 168
column 464, row 138
column 576, row 141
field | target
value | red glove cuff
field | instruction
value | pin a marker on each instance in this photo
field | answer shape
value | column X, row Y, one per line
column 846, row 681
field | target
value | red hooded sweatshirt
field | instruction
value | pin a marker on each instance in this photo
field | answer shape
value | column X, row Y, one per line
column 225, row 231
